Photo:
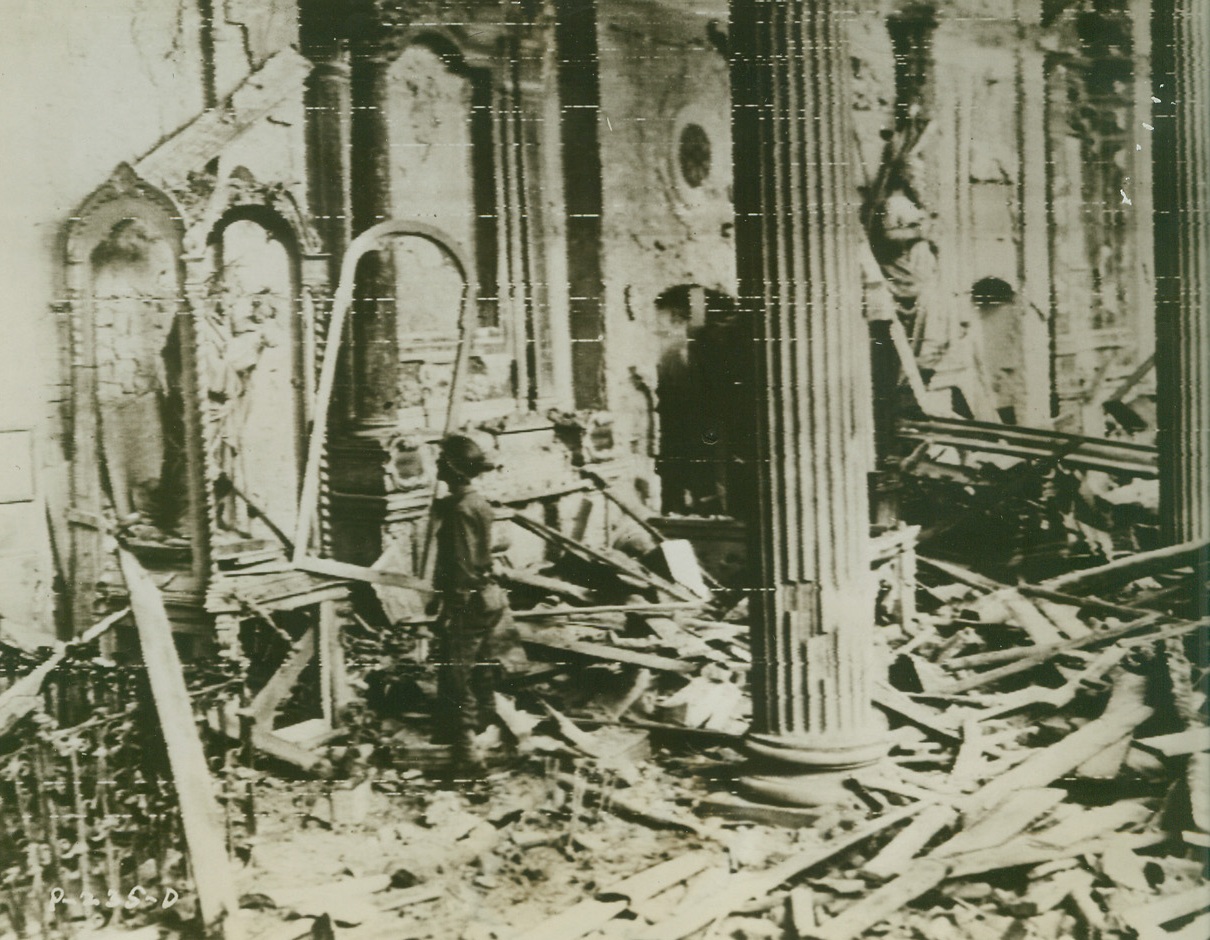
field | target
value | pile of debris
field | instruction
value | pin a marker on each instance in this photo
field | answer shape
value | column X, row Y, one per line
column 1046, row 774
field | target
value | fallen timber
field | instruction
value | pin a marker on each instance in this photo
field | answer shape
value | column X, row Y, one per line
column 1073, row 450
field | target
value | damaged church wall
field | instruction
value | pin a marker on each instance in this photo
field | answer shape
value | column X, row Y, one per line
column 92, row 89
column 1010, row 149
column 667, row 215
column 1007, row 196
column 87, row 88
column 1020, row 128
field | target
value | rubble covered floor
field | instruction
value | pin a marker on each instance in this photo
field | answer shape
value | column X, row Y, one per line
column 1045, row 778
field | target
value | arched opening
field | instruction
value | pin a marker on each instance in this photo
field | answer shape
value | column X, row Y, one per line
column 443, row 171
column 249, row 367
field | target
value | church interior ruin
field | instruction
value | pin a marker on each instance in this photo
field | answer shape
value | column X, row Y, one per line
column 612, row 469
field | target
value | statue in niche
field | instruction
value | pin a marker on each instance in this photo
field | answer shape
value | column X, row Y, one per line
column 238, row 327
column 139, row 381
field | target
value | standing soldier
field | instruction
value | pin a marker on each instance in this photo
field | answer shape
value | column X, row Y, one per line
column 474, row 608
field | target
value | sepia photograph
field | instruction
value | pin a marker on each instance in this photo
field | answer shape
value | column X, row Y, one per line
column 604, row 469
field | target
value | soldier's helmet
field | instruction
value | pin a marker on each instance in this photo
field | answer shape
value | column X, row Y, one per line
column 464, row 456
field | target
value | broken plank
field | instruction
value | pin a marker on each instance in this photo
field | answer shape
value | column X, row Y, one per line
column 1147, row 919
column 1124, row 570
column 1048, row 764
column 201, row 817
column 1099, row 821
column 927, row 873
column 1030, row 657
column 1026, row 614
column 759, row 884
column 984, row 583
column 547, row 584
column 22, row 697
column 1004, row 821
column 268, row 743
column 1028, row 851
column 540, row 613
column 334, row 672
column 909, row 841
column 891, row 699
column 266, row 702
column 327, row 641
column 652, row 881
column 633, row 570
column 922, row 877
column 800, row 911
column 970, row 752
column 1062, row 616
column 1048, row 893
column 346, row 571
column 1106, row 765
column 603, row 652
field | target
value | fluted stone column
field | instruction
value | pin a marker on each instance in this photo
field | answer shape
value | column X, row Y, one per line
column 797, row 241
column 1181, row 152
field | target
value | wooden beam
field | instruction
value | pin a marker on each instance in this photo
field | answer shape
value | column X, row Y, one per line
column 555, row 537
column 327, row 636
column 1124, row 570
column 1029, row 657
column 333, row 652
column 920, row 877
column 983, row 583
column 744, row 888
column 604, row 652
column 201, row 817
column 593, row 913
column 368, row 241
column 266, row 702
column 1048, row 764
column 543, row 583
column 269, row 744
column 22, row 697
column 342, row 569
column 541, row 613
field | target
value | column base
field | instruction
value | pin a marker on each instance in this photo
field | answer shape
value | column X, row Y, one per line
column 808, row 770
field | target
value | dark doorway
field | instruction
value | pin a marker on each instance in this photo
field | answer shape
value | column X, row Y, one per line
column 703, row 401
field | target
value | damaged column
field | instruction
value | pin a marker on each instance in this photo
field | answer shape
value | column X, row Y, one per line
column 1181, row 154
column 375, row 343
column 796, row 238
column 365, row 403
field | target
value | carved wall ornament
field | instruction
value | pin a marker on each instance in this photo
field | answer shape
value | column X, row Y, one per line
column 410, row 465
column 194, row 194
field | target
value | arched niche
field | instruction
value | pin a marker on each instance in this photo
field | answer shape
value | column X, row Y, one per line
column 443, row 169
column 250, row 370
column 133, row 423
column 430, row 271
